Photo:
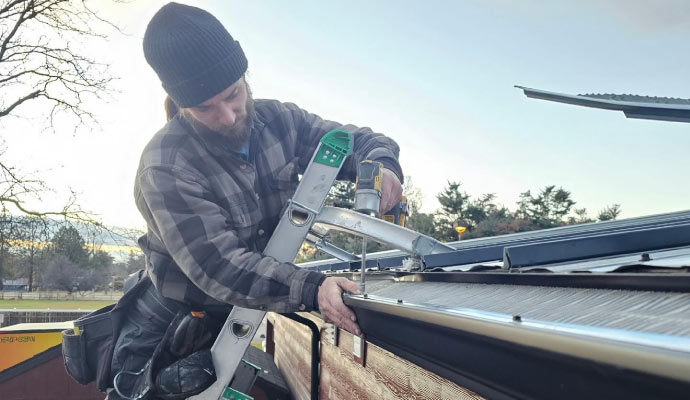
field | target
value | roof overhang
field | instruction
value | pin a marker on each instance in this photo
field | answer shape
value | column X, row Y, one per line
column 631, row 109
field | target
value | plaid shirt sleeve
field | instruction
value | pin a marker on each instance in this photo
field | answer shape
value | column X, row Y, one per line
column 189, row 225
column 193, row 230
column 368, row 145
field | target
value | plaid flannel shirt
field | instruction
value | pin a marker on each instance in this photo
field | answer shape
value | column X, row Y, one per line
column 210, row 212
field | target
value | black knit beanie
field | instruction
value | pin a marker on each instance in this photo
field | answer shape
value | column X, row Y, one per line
column 192, row 53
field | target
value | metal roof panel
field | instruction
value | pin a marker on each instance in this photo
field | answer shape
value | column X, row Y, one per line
column 633, row 106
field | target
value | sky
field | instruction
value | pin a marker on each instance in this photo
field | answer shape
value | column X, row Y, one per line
column 436, row 76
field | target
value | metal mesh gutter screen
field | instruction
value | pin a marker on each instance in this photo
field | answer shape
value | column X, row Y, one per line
column 654, row 312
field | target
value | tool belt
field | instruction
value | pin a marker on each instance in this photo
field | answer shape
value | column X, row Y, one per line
column 88, row 348
column 180, row 366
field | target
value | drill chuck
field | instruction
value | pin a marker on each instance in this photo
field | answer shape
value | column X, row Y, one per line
column 367, row 201
column 368, row 191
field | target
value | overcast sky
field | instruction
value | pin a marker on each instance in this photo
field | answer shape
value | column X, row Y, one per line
column 437, row 76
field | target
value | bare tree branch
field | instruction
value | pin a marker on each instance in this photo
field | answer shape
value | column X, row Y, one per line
column 8, row 7
column 43, row 59
column 18, row 23
column 40, row 55
column 18, row 102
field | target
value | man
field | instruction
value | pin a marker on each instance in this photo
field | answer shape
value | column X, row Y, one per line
column 211, row 185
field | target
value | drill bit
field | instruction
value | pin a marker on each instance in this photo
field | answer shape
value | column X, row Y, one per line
column 363, row 267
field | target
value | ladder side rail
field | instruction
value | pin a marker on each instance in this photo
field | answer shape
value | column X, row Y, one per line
column 292, row 229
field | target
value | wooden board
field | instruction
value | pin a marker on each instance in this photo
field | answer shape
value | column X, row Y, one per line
column 385, row 376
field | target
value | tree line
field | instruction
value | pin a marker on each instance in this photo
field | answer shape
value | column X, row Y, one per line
column 56, row 256
column 462, row 216
column 548, row 207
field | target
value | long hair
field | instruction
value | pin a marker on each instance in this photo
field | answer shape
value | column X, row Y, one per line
column 171, row 109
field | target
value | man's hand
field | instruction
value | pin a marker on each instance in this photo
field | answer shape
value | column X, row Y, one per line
column 391, row 191
column 331, row 304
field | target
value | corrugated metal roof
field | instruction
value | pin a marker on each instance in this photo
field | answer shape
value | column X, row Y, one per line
column 634, row 98
column 633, row 106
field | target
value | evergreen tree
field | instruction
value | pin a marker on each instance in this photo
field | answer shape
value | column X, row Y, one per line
column 453, row 212
column 580, row 217
column 458, row 209
column 342, row 194
column 547, row 209
column 69, row 243
column 422, row 223
column 101, row 261
column 135, row 262
column 609, row 213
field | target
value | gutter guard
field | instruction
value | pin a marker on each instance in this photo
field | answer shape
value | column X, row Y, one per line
column 504, row 356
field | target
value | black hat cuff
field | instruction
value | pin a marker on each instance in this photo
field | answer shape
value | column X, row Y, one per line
column 209, row 83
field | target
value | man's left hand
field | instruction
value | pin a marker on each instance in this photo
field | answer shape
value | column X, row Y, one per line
column 391, row 191
column 331, row 306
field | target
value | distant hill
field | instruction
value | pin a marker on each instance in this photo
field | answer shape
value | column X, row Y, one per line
column 116, row 241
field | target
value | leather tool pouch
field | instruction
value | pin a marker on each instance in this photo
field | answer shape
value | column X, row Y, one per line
column 143, row 387
column 171, row 374
column 88, row 348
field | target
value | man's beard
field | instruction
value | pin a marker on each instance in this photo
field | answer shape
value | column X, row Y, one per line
column 236, row 134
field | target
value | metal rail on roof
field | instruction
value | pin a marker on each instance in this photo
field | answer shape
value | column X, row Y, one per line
column 492, row 249
column 610, row 244
column 639, row 281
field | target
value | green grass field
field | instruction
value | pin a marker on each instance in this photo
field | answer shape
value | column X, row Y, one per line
column 54, row 304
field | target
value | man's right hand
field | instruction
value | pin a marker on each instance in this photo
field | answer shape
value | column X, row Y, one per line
column 331, row 306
